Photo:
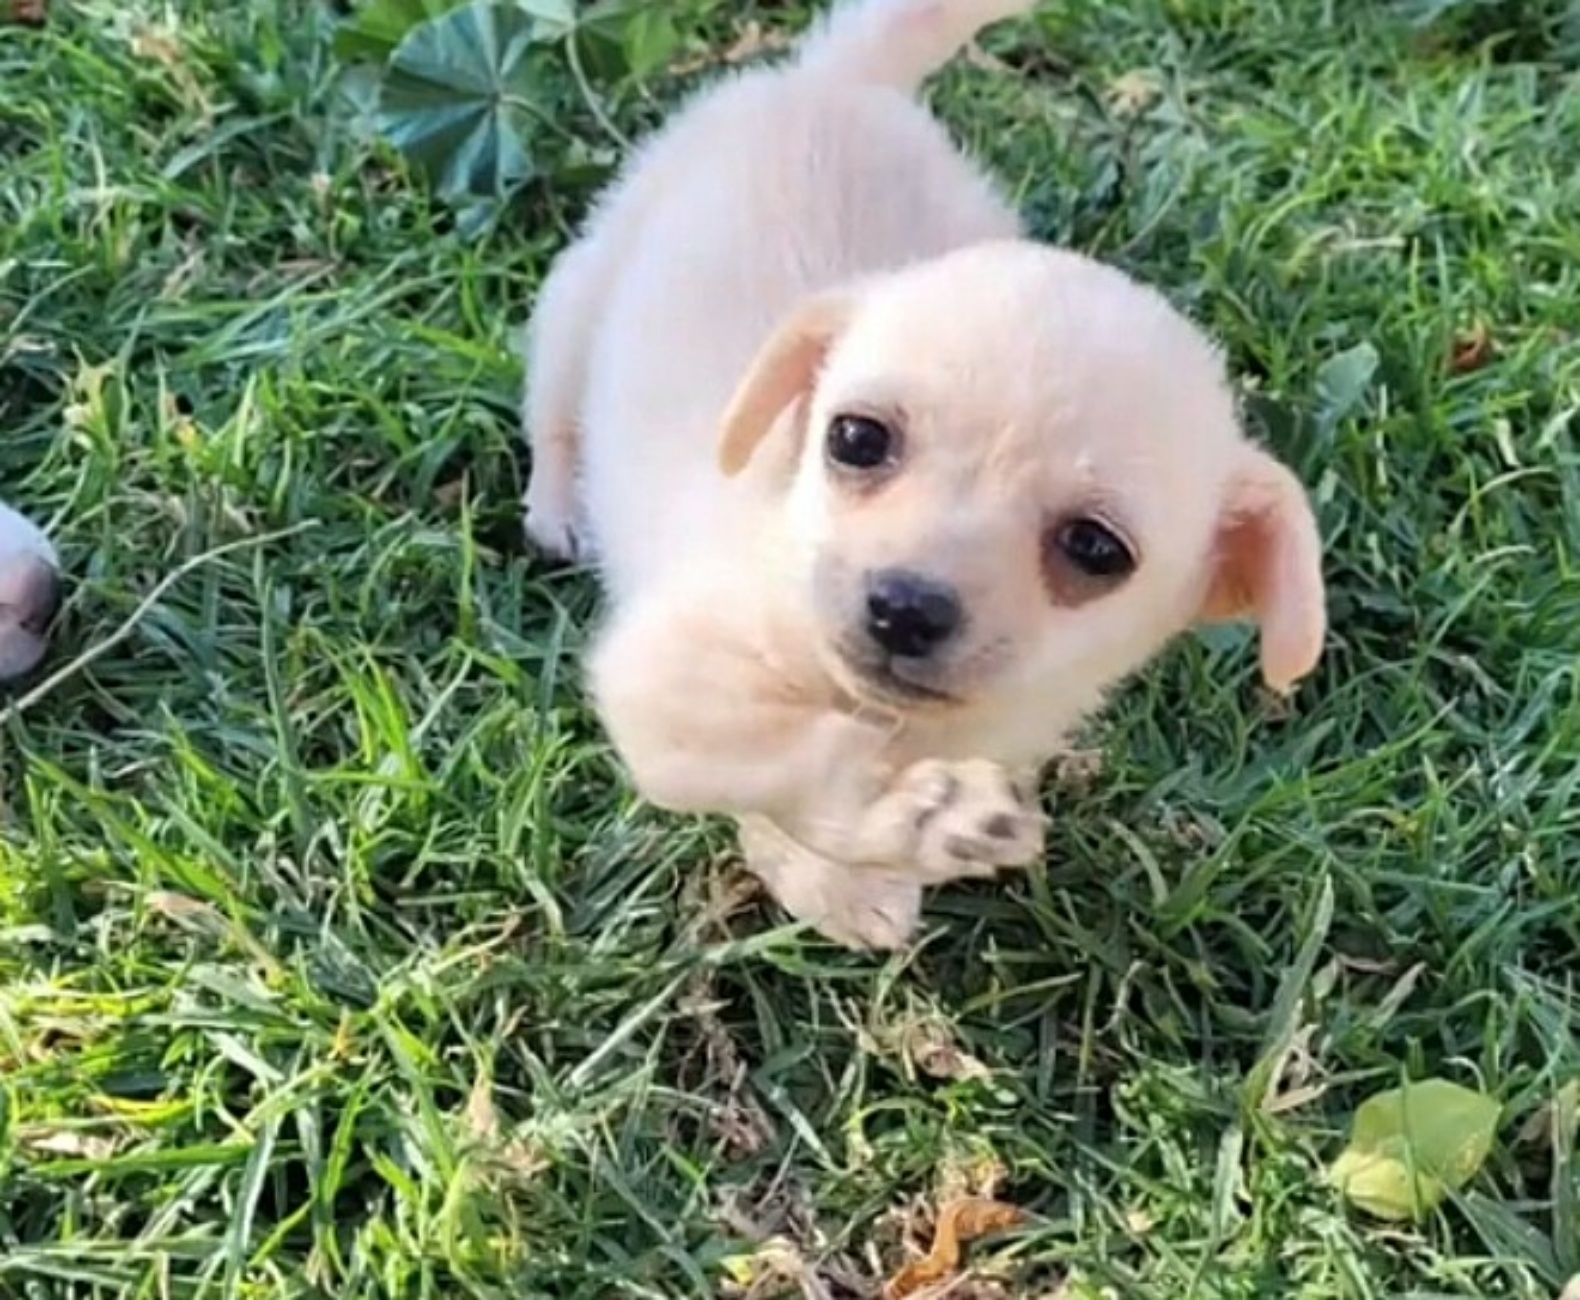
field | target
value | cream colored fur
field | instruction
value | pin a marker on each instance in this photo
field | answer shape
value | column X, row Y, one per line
column 805, row 242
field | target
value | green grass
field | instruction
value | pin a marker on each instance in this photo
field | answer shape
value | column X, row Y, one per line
column 336, row 958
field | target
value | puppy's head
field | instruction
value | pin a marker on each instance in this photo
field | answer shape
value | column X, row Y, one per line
column 1014, row 474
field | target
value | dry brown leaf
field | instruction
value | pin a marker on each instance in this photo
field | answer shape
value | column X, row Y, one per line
column 1472, row 350
column 482, row 1120
column 719, row 894
column 754, row 40
column 68, row 1143
column 163, row 46
column 751, row 40
column 1369, row 965
column 1078, row 770
column 985, row 60
column 185, row 909
column 977, row 1176
column 734, row 1116
column 1549, row 1123
column 930, row 1045
column 447, row 496
column 198, row 917
column 959, row 1222
column 28, row 13
column 157, row 46
column 1134, row 92
column 510, row 1158
column 1139, row 1222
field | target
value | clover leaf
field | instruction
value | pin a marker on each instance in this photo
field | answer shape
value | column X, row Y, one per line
column 457, row 99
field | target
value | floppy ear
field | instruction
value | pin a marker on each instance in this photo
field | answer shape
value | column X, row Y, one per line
column 1267, row 568
column 785, row 369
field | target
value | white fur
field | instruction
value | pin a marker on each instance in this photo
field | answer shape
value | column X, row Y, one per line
column 28, row 584
column 805, row 241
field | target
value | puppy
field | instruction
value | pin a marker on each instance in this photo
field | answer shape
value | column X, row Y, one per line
column 29, row 593
column 884, row 495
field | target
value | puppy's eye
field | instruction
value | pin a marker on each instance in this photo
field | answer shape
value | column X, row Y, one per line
column 1084, row 559
column 1094, row 549
column 860, row 442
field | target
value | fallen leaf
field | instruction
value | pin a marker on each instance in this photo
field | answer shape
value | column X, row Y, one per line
column 959, row 1222
column 754, row 40
column 447, row 496
column 1472, row 350
column 1343, row 381
column 970, row 1177
column 983, row 60
column 1139, row 1222
column 158, row 46
column 1134, row 92
column 1409, row 1147
column 1551, row 1122
column 70, row 1144
column 1078, row 770
column 775, row 1268
column 482, row 1120
column 29, row 13
column 930, row 1045
column 751, row 40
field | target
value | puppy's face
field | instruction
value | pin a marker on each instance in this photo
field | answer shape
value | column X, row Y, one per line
column 1015, row 474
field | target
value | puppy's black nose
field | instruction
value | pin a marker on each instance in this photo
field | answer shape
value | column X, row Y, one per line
column 909, row 615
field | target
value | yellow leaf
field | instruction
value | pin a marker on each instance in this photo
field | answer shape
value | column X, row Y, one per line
column 1410, row 1146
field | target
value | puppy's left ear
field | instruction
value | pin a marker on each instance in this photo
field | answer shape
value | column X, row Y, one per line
column 1267, row 568
column 785, row 369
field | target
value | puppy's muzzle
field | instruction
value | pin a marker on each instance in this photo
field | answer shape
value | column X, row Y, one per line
column 910, row 616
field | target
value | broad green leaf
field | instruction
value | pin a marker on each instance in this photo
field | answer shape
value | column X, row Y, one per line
column 1410, row 1146
column 554, row 17
column 651, row 41
column 620, row 40
column 457, row 98
column 1343, row 379
column 378, row 26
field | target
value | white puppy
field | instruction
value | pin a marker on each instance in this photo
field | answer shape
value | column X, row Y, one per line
column 885, row 495
column 29, row 593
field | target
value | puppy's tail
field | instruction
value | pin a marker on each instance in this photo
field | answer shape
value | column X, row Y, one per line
column 898, row 43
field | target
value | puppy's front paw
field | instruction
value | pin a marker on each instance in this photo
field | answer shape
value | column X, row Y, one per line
column 965, row 820
column 857, row 907
column 869, row 909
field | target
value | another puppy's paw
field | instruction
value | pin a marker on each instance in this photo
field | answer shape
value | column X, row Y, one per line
column 551, row 526
column 30, row 593
column 857, row 907
column 964, row 820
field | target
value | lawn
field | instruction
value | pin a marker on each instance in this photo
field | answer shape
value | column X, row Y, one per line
column 337, row 958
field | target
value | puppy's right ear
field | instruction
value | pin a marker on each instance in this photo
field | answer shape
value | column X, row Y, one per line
column 785, row 369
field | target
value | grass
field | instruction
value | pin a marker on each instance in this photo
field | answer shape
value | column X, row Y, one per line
column 336, row 958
